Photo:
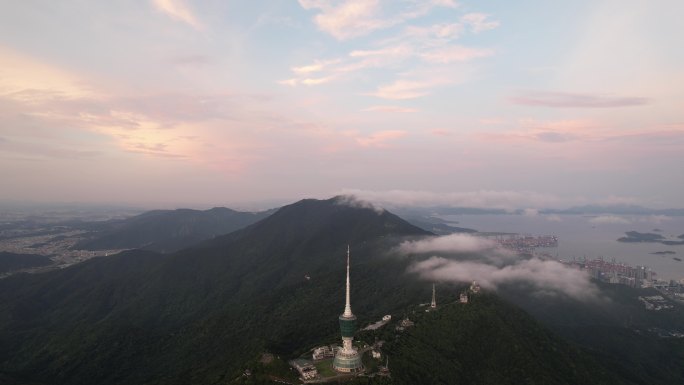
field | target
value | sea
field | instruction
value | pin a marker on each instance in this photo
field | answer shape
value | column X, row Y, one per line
column 592, row 236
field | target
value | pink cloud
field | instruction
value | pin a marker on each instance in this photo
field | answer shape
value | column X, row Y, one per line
column 403, row 89
column 353, row 18
column 550, row 132
column 574, row 100
column 479, row 22
column 441, row 132
column 316, row 81
column 455, row 54
column 586, row 145
column 431, row 44
column 399, row 51
column 380, row 139
column 178, row 10
column 389, row 109
column 442, row 31
column 316, row 66
column 349, row 19
column 492, row 121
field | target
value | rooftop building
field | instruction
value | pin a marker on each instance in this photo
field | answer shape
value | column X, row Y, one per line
column 323, row 352
column 306, row 369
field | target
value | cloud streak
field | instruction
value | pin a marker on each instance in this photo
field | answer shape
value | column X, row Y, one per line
column 349, row 19
column 179, row 11
column 576, row 100
column 380, row 139
column 610, row 220
column 389, row 109
column 501, row 199
column 403, row 89
column 479, row 22
column 455, row 54
column 414, row 53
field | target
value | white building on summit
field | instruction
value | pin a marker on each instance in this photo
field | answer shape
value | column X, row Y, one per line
column 347, row 359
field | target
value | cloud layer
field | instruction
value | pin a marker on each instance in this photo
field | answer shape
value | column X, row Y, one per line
column 421, row 57
column 501, row 199
column 464, row 258
column 178, row 10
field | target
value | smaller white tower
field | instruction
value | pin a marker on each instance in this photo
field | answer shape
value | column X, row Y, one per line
column 433, row 304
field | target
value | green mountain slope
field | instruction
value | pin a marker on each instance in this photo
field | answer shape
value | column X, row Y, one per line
column 618, row 329
column 197, row 315
column 488, row 341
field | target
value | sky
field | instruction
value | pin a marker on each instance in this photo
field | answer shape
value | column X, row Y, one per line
column 468, row 103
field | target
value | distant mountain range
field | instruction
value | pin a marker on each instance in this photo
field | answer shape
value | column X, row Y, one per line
column 578, row 210
column 167, row 231
column 615, row 209
column 201, row 314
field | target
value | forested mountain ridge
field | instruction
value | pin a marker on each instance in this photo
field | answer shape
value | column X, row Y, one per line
column 199, row 315
column 167, row 231
column 195, row 316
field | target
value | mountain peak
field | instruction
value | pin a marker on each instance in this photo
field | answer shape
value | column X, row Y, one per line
column 313, row 224
column 342, row 214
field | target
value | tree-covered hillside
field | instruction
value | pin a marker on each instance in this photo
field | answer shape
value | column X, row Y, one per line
column 488, row 341
column 198, row 316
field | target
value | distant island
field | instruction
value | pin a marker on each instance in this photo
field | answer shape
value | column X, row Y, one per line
column 664, row 253
column 637, row 237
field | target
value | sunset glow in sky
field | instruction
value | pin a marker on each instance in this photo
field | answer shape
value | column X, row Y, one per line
column 474, row 103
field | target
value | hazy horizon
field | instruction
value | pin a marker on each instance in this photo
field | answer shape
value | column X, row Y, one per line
column 162, row 103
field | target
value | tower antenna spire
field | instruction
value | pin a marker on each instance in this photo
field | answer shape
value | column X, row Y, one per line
column 433, row 304
column 347, row 305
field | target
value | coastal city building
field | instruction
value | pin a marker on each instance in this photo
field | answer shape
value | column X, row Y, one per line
column 615, row 272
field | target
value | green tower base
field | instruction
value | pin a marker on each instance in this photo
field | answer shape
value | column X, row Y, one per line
column 347, row 363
